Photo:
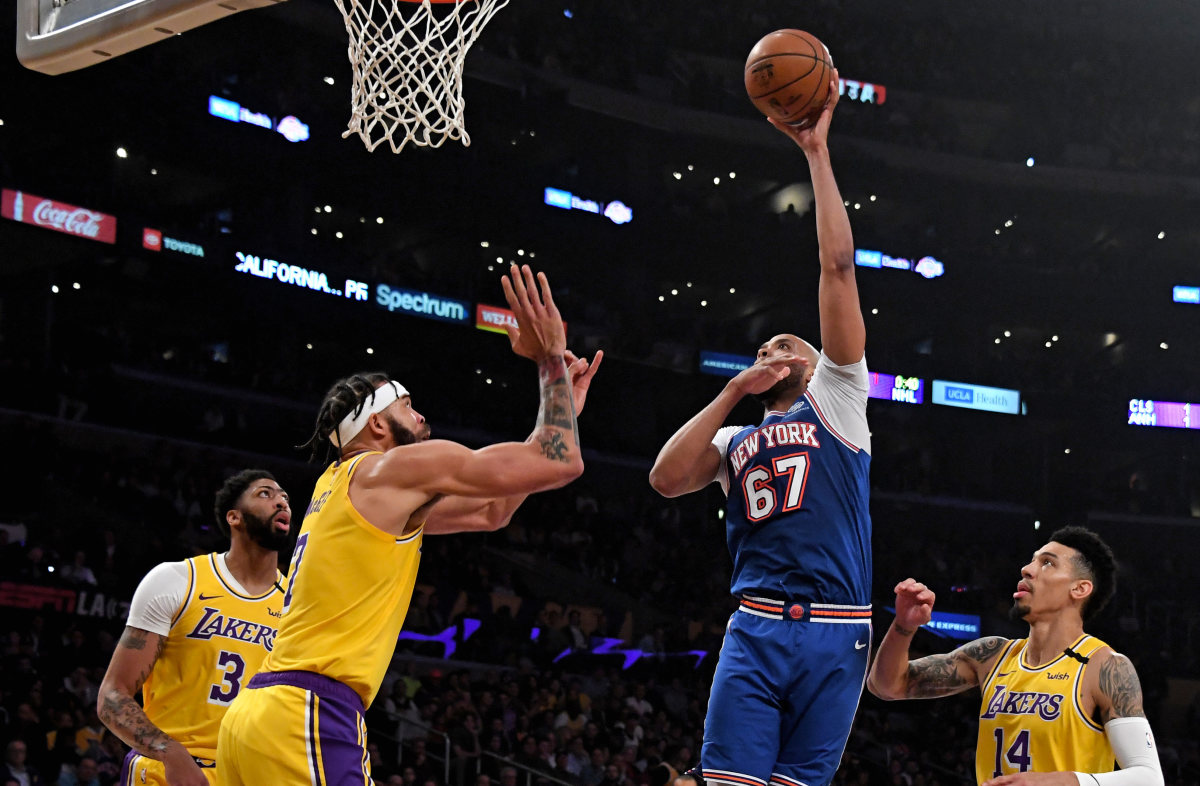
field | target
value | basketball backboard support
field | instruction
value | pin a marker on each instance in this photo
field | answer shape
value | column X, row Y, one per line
column 57, row 36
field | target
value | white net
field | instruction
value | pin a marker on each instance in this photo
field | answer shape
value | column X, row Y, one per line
column 408, row 68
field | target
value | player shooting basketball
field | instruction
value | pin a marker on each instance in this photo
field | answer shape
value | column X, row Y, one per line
column 356, row 558
column 1059, row 706
column 197, row 632
column 792, row 666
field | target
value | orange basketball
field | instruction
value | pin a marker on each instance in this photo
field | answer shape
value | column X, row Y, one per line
column 787, row 76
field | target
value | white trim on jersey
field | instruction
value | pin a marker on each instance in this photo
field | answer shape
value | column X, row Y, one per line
column 757, row 613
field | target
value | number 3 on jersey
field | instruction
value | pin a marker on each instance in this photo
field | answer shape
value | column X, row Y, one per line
column 758, row 486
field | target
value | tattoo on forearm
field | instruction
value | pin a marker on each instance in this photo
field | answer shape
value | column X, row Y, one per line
column 553, row 447
column 1119, row 682
column 557, row 410
column 938, row 675
column 935, row 675
column 121, row 713
column 125, row 717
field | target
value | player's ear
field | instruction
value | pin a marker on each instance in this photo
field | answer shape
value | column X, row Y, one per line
column 232, row 517
column 1082, row 589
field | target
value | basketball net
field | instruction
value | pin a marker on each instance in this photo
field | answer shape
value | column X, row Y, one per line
column 408, row 68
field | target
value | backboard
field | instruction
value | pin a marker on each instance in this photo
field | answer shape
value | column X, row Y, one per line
column 57, row 36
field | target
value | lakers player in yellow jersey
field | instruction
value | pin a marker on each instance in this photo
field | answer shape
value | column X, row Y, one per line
column 356, row 558
column 1060, row 707
column 197, row 632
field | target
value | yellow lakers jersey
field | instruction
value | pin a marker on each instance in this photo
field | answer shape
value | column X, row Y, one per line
column 1032, row 720
column 350, row 586
column 217, row 641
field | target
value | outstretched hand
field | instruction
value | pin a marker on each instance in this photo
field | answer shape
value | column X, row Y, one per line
column 760, row 377
column 539, row 333
column 914, row 604
column 816, row 136
column 581, row 373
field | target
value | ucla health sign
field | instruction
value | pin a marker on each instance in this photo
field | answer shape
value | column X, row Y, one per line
column 423, row 304
column 616, row 211
column 289, row 127
column 961, row 394
column 926, row 267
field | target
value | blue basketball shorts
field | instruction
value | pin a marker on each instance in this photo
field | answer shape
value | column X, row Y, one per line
column 785, row 691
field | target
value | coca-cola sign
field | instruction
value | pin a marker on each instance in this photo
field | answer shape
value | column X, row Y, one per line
column 59, row 216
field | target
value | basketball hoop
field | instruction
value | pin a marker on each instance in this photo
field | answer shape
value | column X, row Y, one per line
column 407, row 57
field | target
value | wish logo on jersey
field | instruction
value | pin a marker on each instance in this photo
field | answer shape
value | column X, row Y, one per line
column 776, row 434
column 1006, row 702
column 214, row 623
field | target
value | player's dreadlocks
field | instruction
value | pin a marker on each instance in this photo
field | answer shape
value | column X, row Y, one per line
column 347, row 396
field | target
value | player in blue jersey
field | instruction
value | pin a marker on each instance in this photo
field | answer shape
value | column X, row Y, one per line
column 794, row 659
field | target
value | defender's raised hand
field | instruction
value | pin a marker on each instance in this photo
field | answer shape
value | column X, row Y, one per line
column 539, row 333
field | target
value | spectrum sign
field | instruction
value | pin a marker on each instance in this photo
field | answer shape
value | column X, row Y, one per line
column 961, row 394
column 1163, row 414
column 616, row 211
column 290, row 127
column 889, row 387
column 58, row 216
column 422, row 304
column 928, row 267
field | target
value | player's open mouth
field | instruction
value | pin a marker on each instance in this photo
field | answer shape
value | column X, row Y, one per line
column 282, row 523
column 1023, row 590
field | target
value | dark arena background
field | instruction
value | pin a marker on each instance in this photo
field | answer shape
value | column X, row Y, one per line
column 1023, row 182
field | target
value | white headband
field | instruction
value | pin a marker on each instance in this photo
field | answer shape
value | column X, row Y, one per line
column 381, row 399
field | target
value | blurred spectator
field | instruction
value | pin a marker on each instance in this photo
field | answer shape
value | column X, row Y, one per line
column 14, row 765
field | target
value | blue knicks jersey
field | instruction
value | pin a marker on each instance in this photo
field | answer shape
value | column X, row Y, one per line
column 797, row 521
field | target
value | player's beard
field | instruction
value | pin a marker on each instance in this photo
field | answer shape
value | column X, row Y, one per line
column 404, row 436
column 1018, row 612
column 790, row 386
column 264, row 533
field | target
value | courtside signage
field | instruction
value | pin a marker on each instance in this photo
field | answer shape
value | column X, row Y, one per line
column 893, row 387
column 723, row 365
column 926, row 267
column 961, row 394
column 863, row 92
column 290, row 127
column 616, row 211
column 296, row 276
column 58, row 216
column 1164, row 414
column 1185, row 294
column 494, row 318
column 154, row 240
column 423, row 304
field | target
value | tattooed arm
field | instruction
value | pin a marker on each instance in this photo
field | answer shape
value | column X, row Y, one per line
column 894, row 676
column 132, row 662
column 1115, row 686
column 469, row 514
